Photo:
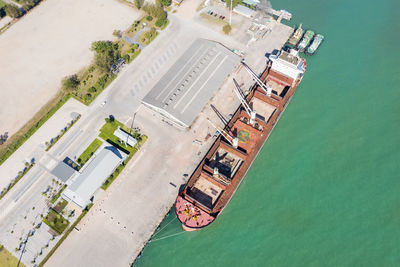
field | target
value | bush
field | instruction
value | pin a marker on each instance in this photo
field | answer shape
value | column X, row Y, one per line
column 138, row 3
column 92, row 89
column 161, row 22
column 227, row 29
column 149, row 18
column 165, row 2
column 155, row 11
column 13, row 11
column 117, row 33
column 71, row 82
column 127, row 57
column 107, row 53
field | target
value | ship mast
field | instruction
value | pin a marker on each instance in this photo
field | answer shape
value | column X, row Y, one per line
column 232, row 140
column 265, row 88
column 246, row 106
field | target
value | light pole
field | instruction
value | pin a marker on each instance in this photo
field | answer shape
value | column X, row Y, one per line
column 230, row 17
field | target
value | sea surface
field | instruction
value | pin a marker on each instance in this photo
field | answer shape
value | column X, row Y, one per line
column 325, row 189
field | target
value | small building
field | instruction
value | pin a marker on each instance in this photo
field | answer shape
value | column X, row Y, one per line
column 83, row 185
column 63, row 171
column 125, row 137
column 244, row 11
column 181, row 94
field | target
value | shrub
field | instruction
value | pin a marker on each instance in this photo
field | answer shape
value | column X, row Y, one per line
column 13, row 11
column 117, row 33
column 70, row 82
column 92, row 89
column 149, row 18
column 138, row 3
column 227, row 29
column 161, row 22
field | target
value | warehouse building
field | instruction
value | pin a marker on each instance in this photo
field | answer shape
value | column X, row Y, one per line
column 181, row 94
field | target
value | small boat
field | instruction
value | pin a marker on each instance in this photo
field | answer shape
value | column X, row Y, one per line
column 306, row 40
column 318, row 39
column 296, row 36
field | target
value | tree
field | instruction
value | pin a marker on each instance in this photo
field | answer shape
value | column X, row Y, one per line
column 155, row 11
column 117, row 33
column 227, row 28
column 138, row 3
column 71, row 82
column 107, row 54
column 13, row 11
column 234, row 3
column 165, row 2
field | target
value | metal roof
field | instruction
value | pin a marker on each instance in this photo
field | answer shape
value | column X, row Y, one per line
column 85, row 184
column 125, row 137
column 63, row 171
column 193, row 79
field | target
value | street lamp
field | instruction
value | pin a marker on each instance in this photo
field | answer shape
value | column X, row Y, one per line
column 230, row 17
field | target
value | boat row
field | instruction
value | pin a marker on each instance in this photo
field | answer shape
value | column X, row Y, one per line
column 219, row 174
column 309, row 40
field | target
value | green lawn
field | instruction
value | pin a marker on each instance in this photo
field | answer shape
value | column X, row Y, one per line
column 107, row 133
column 7, row 259
column 147, row 37
column 89, row 151
column 2, row 4
column 54, row 199
column 56, row 222
column 60, row 206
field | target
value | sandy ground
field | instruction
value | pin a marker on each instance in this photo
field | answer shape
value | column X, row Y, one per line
column 49, row 43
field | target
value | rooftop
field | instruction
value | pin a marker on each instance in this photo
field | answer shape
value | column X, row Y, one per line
column 85, row 184
column 63, row 171
column 125, row 137
column 189, row 84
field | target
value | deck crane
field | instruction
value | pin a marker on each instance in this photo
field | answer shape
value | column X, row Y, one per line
column 234, row 141
column 252, row 113
column 267, row 89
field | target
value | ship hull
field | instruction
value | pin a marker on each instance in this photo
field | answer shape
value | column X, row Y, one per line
column 189, row 211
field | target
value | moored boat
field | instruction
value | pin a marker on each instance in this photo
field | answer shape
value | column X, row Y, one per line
column 318, row 39
column 306, row 40
column 296, row 36
column 217, row 177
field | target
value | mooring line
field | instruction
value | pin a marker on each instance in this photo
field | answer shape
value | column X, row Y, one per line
column 167, row 236
column 164, row 226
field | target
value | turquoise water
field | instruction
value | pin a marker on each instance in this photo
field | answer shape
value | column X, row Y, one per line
column 325, row 190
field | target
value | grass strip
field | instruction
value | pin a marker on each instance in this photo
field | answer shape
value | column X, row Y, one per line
column 19, row 138
column 7, row 259
column 54, row 199
column 88, row 153
column 63, row 131
column 56, row 221
column 16, row 180
column 84, row 212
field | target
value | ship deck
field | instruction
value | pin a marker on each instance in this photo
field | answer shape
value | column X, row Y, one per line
column 226, row 162
column 276, row 87
column 263, row 109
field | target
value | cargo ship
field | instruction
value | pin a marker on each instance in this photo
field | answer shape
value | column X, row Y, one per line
column 306, row 40
column 318, row 39
column 296, row 36
column 217, row 177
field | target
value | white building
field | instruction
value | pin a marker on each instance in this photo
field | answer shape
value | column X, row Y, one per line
column 82, row 186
